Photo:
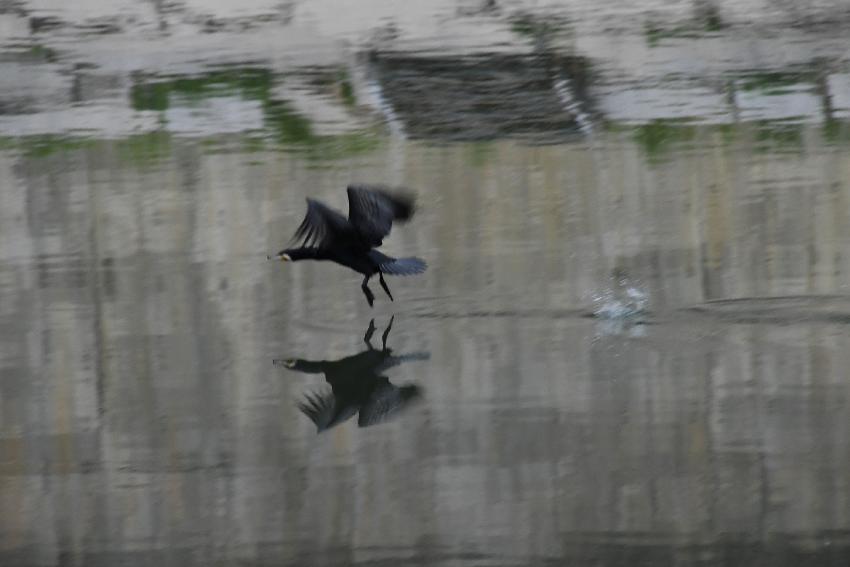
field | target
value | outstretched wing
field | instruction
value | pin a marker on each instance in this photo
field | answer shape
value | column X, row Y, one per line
column 325, row 411
column 385, row 402
column 322, row 226
column 372, row 210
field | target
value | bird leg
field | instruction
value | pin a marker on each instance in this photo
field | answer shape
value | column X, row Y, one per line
column 367, row 338
column 384, row 285
column 368, row 292
column 386, row 334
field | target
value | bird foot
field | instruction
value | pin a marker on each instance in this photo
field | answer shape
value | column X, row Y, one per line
column 370, row 297
column 367, row 338
column 386, row 288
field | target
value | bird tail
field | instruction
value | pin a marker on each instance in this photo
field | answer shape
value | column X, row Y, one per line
column 412, row 356
column 404, row 267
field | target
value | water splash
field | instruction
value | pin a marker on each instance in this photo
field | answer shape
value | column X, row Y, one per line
column 624, row 299
column 621, row 308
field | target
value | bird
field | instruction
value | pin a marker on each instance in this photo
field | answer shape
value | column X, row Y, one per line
column 325, row 234
column 357, row 387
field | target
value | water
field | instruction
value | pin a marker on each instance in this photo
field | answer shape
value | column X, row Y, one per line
column 630, row 347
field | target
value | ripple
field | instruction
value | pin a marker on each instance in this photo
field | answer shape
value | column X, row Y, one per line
column 781, row 309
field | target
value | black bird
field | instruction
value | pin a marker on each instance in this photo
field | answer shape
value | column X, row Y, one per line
column 356, row 385
column 325, row 234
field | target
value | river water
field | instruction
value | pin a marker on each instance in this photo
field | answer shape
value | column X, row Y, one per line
column 630, row 346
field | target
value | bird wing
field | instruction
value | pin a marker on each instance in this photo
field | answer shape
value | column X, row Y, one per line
column 325, row 411
column 321, row 226
column 372, row 210
column 384, row 401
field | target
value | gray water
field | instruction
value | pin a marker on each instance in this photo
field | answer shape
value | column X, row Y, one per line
column 630, row 347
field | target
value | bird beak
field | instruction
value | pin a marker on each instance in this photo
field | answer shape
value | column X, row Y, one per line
column 285, row 258
column 289, row 363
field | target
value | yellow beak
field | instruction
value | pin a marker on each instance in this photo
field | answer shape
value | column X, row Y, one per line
column 285, row 258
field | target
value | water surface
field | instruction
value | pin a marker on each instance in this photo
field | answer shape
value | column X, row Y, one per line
column 694, row 153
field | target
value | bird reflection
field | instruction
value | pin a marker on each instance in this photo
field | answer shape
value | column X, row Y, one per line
column 357, row 386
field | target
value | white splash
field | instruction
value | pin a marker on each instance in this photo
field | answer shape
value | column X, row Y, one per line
column 625, row 301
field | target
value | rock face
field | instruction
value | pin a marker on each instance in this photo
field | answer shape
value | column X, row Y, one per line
column 480, row 98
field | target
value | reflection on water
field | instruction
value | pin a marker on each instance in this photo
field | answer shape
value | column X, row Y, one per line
column 152, row 153
column 356, row 385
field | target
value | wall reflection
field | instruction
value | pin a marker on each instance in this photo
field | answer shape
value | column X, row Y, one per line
column 140, row 421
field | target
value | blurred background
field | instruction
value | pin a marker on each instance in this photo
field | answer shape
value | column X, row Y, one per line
column 630, row 347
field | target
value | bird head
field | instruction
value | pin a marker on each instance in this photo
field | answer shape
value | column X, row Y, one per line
column 295, row 254
column 283, row 256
